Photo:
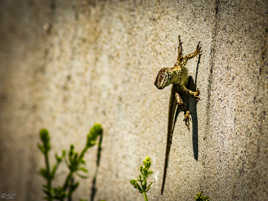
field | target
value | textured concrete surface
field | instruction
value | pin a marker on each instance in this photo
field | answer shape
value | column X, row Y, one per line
column 68, row 64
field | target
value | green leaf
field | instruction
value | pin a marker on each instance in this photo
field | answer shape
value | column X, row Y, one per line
column 147, row 162
column 41, row 148
column 70, row 154
column 200, row 197
column 59, row 193
column 44, row 187
column 44, row 136
column 144, row 184
column 63, row 153
column 44, row 173
column 82, row 161
column 140, row 178
column 136, row 185
column 96, row 129
column 148, row 187
column 141, row 169
column 83, row 169
column 74, row 186
column 133, row 182
column 141, row 182
column 75, row 157
column 71, row 151
column 139, row 188
column 94, row 132
column 46, row 190
column 58, row 158
column 54, row 169
column 73, row 160
column 82, row 176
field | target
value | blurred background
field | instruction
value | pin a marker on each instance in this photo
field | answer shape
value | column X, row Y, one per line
column 66, row 64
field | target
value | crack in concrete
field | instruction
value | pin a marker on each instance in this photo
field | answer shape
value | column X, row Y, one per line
column 212, row 57
column 210, row 77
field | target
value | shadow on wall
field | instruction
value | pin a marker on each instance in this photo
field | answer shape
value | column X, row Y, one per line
column 193, row 111
column 192, row 105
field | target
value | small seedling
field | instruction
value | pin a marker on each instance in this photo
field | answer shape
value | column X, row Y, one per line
column 200, row 197
column 141, row 182
column 75, row 163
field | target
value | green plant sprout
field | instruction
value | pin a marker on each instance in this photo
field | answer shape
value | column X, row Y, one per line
column 200, row 197
column 75, row 163
column 141, row 182
column 94, row 181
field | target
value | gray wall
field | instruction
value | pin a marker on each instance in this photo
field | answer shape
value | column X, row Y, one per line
column 68, row 64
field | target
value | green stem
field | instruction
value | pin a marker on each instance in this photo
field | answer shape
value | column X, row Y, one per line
column 145, row 196
column 99, row 150
column 70, row 192
column 49, row 176
column 83, row 153
column 67, row 181
column 93, row 188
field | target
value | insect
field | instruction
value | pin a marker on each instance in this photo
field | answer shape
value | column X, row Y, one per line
column 178, row 77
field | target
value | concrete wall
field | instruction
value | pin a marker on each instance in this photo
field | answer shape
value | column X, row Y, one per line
column 68, row 64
